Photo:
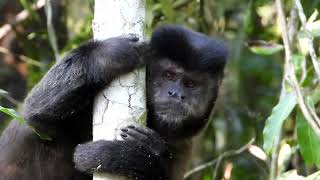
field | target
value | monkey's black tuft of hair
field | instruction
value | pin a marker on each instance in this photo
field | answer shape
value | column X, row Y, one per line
column 193, row 50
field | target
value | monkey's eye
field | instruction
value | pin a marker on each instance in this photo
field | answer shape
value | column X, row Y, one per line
column 189, row 84
column 168, row 75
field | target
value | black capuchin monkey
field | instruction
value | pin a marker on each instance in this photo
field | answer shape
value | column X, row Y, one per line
column 184, row 72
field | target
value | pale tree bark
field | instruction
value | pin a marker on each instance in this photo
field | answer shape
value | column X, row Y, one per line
column 123, row 103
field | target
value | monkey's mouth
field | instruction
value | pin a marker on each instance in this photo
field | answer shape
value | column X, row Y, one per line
column 171, row 112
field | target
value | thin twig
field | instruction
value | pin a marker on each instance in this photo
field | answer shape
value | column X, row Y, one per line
column 308, row 113
column 4, row 94
column 23, row 58
column 10, row 99
column 200, row 168
column 304, row 70
column 293, row 24
column 309, row 38
column 222, row 156
column 51, row 31
column 215, row 172
column 275, row 156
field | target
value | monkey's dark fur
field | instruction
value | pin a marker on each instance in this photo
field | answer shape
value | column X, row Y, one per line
column 184, row 71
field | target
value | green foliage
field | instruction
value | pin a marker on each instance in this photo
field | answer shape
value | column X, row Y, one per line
column 143, row 118
column 252, row 83
column 311, row 30
column 167, row 9
column 264, row 48
column 27, row 4
column 3, row 92
column 309, row 142
column 274, row 122
column 13, row 114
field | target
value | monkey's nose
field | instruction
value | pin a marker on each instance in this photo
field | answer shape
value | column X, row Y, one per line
column 174, row 94
column 171, row 93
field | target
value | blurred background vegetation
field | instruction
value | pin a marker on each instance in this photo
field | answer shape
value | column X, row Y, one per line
column 252, row 87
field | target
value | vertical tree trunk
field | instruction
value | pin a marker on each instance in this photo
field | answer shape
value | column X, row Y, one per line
column 124, row 101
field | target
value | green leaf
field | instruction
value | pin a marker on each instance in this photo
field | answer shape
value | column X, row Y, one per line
column 313, row 16
column 274, row 122
column 315, row 95
column 143, row 118
column 312, row 26
column 313, row 31
column 42, row 135
column 298, row 60
column 3, row 92
column 264, row 48
column 12, row 113
column 309, row 142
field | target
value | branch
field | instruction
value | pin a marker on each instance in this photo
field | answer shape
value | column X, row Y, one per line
column 51, row 31
column 10, row 99
column 293, row 24
column 23, row 58
column 275, row 156
column 308, row 113
column 309, row 38
column 219, row 159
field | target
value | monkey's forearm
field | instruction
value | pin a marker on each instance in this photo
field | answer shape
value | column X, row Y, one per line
column 68, row 89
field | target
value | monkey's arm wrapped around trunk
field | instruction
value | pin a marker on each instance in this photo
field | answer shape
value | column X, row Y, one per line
column 67, row 91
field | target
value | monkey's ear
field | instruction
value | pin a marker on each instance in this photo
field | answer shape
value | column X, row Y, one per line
column 193, row 50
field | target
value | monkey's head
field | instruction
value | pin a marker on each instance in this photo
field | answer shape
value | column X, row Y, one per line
column 183, row 79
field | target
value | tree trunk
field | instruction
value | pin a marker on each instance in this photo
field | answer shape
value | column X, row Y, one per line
column 124, row 101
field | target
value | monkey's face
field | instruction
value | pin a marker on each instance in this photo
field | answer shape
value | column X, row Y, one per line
column 177, row 95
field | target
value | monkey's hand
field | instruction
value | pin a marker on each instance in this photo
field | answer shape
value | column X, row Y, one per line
column 119, row 55
column 142, row 154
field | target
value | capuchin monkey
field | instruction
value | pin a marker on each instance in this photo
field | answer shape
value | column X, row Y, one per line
column 184, row 72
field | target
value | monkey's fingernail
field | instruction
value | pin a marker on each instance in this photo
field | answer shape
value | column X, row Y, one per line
column 131, row 127
column 135, row 39
column 123, row 135
column 124, row 130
